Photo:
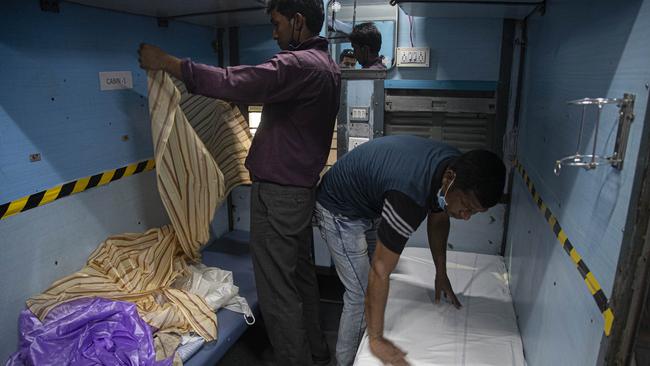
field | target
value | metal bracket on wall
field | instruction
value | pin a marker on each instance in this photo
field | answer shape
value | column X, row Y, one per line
column 625, row 118
column 51, row 6
column 593, row 160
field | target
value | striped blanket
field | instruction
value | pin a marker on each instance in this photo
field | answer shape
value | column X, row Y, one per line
column 200, row 145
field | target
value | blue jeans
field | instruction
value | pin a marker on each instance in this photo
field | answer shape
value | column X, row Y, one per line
column 346, row 240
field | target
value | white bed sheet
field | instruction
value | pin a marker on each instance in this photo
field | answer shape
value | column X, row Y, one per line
column 483, row 332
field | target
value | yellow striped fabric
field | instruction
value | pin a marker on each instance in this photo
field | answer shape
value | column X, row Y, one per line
column 142, row 268
column 189, row 181
column 228, row 141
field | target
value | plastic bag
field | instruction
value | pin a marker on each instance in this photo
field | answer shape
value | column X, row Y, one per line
column 90, row 331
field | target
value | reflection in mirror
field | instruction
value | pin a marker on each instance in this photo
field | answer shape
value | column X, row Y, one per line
column 343, row 15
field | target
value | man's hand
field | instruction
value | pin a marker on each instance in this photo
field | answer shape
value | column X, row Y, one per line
column 152, row 57
column 387, row 352
column 442, row 285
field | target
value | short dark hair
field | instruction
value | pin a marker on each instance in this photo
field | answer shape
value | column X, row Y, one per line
column 481, row 172
column 346, row 53
column 310, row 9
column 366, row 34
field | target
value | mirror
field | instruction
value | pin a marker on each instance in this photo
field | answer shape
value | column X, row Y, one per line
column 342, row 14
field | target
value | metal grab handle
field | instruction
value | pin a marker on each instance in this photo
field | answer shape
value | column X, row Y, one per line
column 591, row 161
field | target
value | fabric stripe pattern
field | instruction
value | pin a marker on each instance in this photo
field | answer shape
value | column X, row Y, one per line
column 143, row 267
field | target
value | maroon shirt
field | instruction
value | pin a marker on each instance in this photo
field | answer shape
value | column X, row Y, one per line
column 376, row 65
column 300, row 91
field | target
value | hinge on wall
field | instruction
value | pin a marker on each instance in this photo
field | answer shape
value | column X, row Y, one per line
column 51, row 6
column 625, row 119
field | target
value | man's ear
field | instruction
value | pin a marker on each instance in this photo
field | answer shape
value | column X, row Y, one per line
column 299, row 21
column 447, row 177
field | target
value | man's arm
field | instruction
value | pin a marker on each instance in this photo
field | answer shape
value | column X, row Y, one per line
column 438, row 233
column 272, row 81
column 154, row 58
column 383, row 263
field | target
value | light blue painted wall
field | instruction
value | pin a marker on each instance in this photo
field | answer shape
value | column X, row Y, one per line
column 558, row 319
column 577, row 49
column 44, row 244
column 483, row 233
column 461, row 48
column 50, row 102
column 256, row 44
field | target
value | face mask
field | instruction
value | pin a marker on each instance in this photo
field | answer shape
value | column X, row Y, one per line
column 293, row 44
column 442, row 201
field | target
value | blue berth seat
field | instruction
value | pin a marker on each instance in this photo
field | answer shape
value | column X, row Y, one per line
column 230, row 252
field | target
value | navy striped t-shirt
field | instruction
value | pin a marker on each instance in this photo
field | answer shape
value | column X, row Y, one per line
column 394, row 177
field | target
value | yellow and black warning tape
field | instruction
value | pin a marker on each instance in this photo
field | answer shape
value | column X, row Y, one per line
column 589, row 278
column 79, row 185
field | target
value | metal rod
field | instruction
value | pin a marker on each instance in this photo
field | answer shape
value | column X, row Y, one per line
column 214, row 12
column 582, row 123
column 593, row 154
column 395, row 35
column 523, row 43
column 507, row 3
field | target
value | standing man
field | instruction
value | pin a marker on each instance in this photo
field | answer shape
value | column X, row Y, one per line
column 366, row 41
column 403, row 180
column 300, row 89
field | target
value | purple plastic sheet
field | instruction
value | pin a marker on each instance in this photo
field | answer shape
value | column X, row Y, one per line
column 92, row 331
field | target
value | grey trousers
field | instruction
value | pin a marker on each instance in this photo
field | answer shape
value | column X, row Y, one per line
column 287, row 289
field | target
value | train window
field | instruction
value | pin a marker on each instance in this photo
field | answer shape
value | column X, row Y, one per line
column 254, row 117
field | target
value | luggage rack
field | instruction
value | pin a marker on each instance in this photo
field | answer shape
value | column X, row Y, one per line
column 593, row 160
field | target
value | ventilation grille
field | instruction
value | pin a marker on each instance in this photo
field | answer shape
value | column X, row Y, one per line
column 465, row 131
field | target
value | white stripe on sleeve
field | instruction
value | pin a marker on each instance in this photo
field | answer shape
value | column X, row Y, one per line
column 405, row 225
column 391, row 223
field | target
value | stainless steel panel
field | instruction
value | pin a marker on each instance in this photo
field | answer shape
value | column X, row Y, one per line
column 359, row 130
column 403, row 103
